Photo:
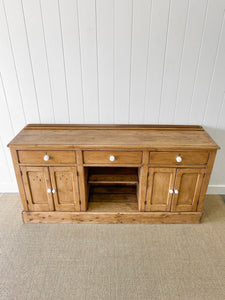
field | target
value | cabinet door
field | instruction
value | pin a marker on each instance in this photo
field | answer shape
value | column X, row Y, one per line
column 37, row 188
column 160, row 187
column 187, row 189
column 65, row 188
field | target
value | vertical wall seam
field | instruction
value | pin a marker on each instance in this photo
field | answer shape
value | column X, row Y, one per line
column 131, row 44
column 64, row 65
column 214, row 67
column 14, row 61
column 7, row 163
column 11, row 124
column 198, row 61
column 81, row 70
column 97, row 60
column 221, row 110
column 164, row 60
column 181, row 62
column 31, row 64
column 7, row 105
column 113, row 61
column 47, row 62
column 147, row 62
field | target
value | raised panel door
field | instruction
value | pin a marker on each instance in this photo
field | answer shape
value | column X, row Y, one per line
column 160, row 189
column 187, row 189
column 65, row 188
column 37, row 188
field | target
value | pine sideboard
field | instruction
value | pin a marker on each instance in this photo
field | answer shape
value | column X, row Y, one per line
column 112, row 173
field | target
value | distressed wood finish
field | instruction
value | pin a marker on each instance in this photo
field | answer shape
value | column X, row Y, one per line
column 188, row 184
column 87, row 187
column 36, row 184
column 55, row 157
column 160, row 182
column 64, row 182
column 103, row 157
column 142, row 187
column 188, row 158
column 82, row 179
column 112, row 217
column 19, row 178
column 206, row 179
column 114, row 137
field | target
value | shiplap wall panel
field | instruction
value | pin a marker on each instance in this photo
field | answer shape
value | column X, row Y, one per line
column 215, row 97
column 89, row 59
column 5, row 173
column 9, row 75
column 72, row 56
column 112, row 61
column 221, row 117
column 55, row 52
column 38, row 55
column 122, row 57
column 139, row 59
column 207, row 58
column 5, row 118
column 160, row 15
column 105, row 41
column 7, row 132
column 173, row 55
column 189, row 63
column 20, row 48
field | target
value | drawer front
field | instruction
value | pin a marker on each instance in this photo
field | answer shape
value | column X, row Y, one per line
column 47, row 157
column 112, row 157
column 179, row 158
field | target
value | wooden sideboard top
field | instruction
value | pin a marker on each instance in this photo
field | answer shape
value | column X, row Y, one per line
column 150, row 137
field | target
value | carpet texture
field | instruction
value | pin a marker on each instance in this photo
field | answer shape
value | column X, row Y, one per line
column 94, row 261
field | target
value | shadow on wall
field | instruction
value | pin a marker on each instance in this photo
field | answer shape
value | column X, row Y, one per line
column 218, row 177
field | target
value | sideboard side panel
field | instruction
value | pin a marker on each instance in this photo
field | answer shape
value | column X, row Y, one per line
column 143, row 174
column 211, row 160
column 19, row 178
column 82, row 181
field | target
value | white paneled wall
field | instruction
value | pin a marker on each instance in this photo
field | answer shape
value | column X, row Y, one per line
column 112, row 61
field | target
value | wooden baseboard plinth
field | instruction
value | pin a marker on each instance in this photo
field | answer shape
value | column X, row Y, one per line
column 112, row 217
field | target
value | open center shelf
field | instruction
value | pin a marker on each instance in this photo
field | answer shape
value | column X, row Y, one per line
column 112, row 189
column 107, row 175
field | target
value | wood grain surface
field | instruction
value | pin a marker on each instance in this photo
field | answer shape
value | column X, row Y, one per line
column 171, row 137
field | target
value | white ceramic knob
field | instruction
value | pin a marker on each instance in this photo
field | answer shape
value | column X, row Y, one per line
column 49, row 191
column 176, row 191
column 46, row 157
column 53, row 191
column 171, row 191
column 179, row 159
column 112, row 158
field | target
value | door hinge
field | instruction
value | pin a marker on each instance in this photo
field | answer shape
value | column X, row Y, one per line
column 79, row 202
column 77, row 173
column 145, row 202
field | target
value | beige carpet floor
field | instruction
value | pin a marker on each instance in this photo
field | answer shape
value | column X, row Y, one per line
column 87, row 261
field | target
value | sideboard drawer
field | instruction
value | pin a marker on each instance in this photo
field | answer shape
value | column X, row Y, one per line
column 112, row 157
column 46, row 157
column 179, row 158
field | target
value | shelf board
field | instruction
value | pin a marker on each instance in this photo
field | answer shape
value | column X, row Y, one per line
column 113, row 193
column 116, row 198
column 113, row 189
column 112, row 207
column 112, row 175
